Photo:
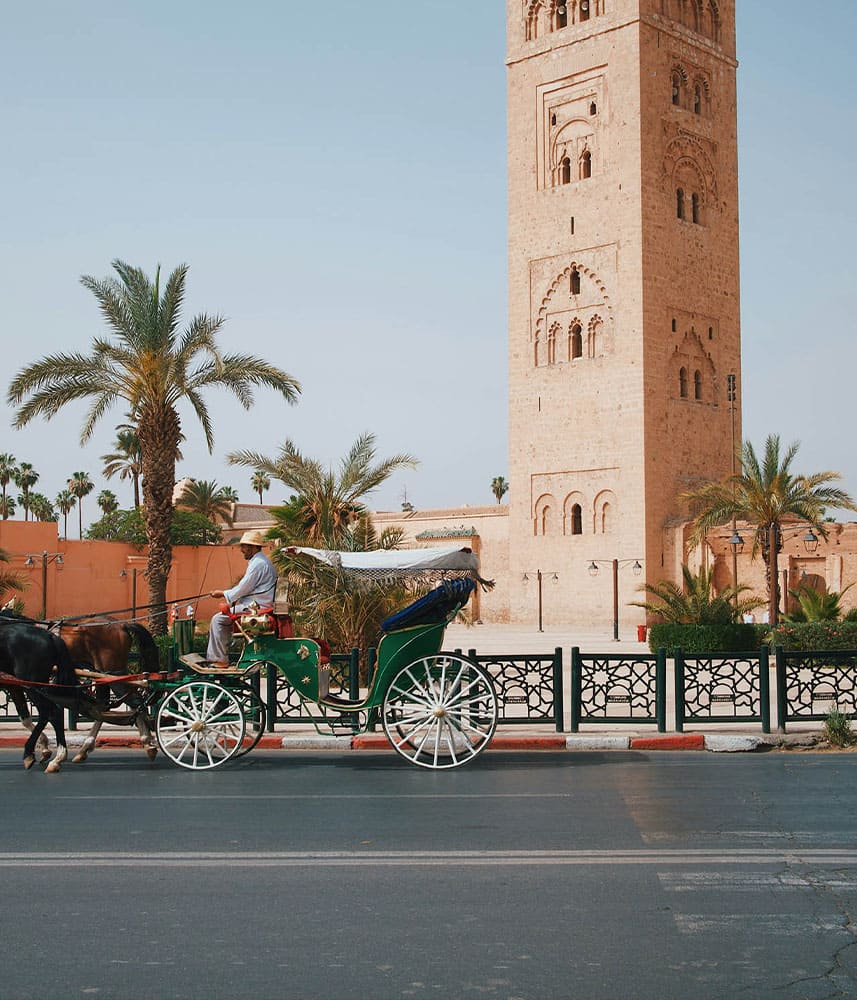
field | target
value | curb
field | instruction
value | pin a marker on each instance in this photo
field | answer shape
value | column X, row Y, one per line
column 674, row 741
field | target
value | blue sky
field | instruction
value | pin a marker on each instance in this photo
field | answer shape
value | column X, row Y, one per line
column 335, row 177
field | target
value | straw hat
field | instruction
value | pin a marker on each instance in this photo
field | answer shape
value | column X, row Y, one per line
column 252, row 538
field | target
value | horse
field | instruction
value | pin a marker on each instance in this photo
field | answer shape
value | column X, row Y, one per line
column 28, row 656
column 106, row 646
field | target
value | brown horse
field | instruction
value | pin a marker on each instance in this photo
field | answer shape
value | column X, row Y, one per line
column 106, row 647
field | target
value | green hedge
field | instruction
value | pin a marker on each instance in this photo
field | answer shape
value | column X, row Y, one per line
column 816, row 635
column 730, row 638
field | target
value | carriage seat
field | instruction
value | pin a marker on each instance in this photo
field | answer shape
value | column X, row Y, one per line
column 260, row 622
column 437, row 607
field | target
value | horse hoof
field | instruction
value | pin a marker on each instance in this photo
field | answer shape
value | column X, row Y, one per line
column 44, row 755
column 28, row 762
column 52, row 768
column 151, row 752
column 79, row 758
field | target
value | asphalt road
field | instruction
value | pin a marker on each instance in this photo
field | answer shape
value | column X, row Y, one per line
column 353, row 875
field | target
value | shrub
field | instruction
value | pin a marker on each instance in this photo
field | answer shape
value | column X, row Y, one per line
column 837, row 728
column 731, row 638
column 816, row 635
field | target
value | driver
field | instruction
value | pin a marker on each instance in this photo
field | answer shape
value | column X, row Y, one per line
column 258, row 585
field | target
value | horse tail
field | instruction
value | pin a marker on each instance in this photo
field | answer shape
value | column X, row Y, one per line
column 150, row 658
column 66, row 676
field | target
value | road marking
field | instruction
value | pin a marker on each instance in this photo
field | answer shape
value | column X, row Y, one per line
column 320, row 796
column 415, row 859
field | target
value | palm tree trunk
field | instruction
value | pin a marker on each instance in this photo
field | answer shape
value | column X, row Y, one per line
column 159, row 434
column 136, row 479
column 80, row 517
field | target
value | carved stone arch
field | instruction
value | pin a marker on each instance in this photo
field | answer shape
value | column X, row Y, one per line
column 685, row 154
column 575, row 339
column 544, row 515
column 560, row 285
column 553, row 335
column 572, row 513
column 691, row 357
column 594, row 337
column 678, row 86
column 569, row 140
column 677, row 68
column 695, row 15
column 714, row 20
column 700, row 87
column 604, row 512
column 534, row 16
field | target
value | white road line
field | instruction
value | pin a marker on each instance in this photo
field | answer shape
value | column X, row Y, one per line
column 412, row 859
column 321, row 796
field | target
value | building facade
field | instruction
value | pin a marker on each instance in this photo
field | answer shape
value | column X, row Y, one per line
column 624, row 338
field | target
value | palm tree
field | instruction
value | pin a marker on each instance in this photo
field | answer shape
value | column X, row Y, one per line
column 153, row 367
column 7, row 507
column 107, row 501
column 25, row 477
column 696, row 603
column 499, row 487
column 65, row 501
column 768, row 494
column 80, row 485
column 8, row 471
column 126, row 459
column 205, row 497
column 8, row 579
column 326, row 503
column 259, row 482
column 816, row 606
column 41, row 508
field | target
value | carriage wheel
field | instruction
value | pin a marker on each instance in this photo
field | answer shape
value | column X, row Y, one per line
column 440, row 711
column 200, row 725
column 255, row 716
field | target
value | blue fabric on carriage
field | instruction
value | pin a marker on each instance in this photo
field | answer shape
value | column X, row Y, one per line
column 434, row 608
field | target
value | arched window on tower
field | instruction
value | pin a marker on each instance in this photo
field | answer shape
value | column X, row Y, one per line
column 552, row 344
column 592, row 337
column 697, row 384
column 561, row 16
column 575, row 281
column 584, row 10
column 576, row 520
column 593, row 108
column 605, row 518
column 586, row 165
column 575, row 342
column 694, row 207
column 565, row 170
column 682, row 383
column 676, row 81
column 679, row 203
column 697, row 100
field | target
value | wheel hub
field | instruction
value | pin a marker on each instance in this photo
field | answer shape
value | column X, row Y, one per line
column 439, row 712
column 197, row 727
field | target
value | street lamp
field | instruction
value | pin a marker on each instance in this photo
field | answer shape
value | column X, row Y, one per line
column 773, row 542
column 539, row 577
column 736, row 543
column 47, row 558
column 636, row 569
column 731, row 396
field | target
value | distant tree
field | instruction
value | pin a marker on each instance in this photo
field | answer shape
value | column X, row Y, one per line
column 259, row 483
column 7, row 507
column 80, row 485
column 8, row 579
column 696, row 603
column 41, row 508
column 129, row 526
column 126, row 459
column 25, row 477
column 8, row 470
column 107, row 501
column 205, row 497
column 230, row 493
column 499, row 487
column 65, row 502
column 153, row 366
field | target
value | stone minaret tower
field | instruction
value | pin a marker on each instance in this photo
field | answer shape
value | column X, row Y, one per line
column 624, row 293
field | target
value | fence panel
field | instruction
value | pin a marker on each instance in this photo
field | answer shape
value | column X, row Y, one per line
column 529, row 688
column 717, row 687
column 618, row 689
column 811, row 682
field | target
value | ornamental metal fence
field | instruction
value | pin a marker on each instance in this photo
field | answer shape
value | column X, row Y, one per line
column 529, row 687
column 718, row 687
column 618, row 689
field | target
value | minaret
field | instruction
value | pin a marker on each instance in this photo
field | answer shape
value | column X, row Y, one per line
column 623, row 289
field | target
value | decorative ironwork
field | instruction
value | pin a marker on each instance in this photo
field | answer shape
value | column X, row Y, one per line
column 811, row 683
column 529, row 688
column 617, row 689
column 718, row 689
column 7, row 709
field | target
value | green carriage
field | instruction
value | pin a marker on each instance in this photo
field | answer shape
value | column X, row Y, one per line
column 438, row 709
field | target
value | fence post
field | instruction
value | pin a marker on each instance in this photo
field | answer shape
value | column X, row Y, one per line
column 558, row 706
column 661, row 689
column 354, row 684
column 679, row 690
column 576, row 688
column 371, row 663
column 765, row 689
column 782, row 699
column 271, row 674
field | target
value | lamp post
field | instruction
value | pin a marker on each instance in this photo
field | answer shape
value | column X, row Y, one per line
column 774, row 539
column 636, row 568
column 47, row 558
column 123, row 573
column 539, row 578
column 731, row 396
column 736, row 543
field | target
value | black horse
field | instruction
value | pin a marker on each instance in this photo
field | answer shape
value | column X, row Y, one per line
column 28, row 656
